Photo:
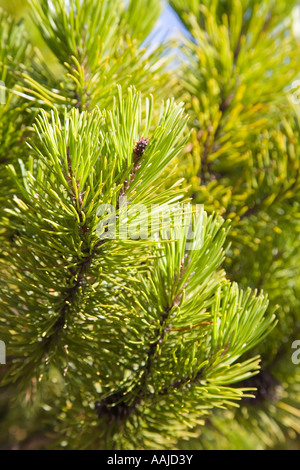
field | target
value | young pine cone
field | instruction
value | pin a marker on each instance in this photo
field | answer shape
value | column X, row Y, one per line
column 140, row 147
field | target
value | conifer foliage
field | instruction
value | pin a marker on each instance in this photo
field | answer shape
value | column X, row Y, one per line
column 243, row 162
column 134, row 339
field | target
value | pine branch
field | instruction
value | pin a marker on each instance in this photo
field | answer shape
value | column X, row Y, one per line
column 97, row 47
column 156, row 375
column 252, row 177
column 73, row 175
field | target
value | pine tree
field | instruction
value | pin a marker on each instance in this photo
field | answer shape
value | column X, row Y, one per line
column 243, row 162
column 134, row 342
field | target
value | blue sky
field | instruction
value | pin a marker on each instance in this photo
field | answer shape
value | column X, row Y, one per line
column 168, row 26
